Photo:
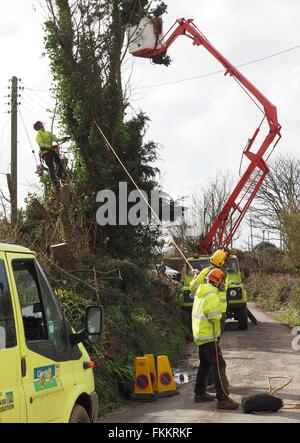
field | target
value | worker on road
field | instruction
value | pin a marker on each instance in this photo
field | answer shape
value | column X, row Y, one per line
column 49, row 154
column 217, row 260
column 206, row 322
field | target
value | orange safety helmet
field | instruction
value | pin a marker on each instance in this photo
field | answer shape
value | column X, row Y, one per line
column 215, row 276
column 38, row 125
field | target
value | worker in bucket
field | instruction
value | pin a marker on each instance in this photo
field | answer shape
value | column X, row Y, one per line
column 206, row 323
column 48, row 153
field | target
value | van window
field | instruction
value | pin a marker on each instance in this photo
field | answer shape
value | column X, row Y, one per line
column 42, row 318
column 231, row 266
column 7, row 325
column 54, row 316
column 199, row 265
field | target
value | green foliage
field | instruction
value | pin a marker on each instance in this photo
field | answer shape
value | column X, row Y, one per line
column 141, row 316
column 291, row 317
column 133, row 277
column 159, row 10
column 280, row 292
column 290, row 222
column 263, row 245
column 108, row 390
column 84, row 43
column 265, row 291
column 132, row 11
column 265, row 258
column 73, row 306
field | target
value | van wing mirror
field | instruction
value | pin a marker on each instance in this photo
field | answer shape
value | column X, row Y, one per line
column 93, row 326
column 94, row 322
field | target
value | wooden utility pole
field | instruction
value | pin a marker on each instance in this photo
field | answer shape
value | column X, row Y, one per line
column 14, row 153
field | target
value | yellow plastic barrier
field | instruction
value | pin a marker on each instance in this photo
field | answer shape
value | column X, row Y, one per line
column 142, row 389
column 165, row 379
column 152, row 369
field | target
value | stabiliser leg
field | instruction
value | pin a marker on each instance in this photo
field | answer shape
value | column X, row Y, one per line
column 251, row 317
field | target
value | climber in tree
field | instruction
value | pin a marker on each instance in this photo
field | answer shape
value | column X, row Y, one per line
column 49, row 153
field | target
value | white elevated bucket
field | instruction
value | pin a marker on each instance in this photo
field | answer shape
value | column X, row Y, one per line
column 143, row 37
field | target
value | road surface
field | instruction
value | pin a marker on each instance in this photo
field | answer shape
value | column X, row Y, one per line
column 251, row 356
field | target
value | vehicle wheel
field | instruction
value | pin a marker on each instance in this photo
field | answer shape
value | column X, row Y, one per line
column 79, row 415
column 243, row 319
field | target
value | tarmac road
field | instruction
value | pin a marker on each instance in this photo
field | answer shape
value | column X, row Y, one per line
column 251, row 356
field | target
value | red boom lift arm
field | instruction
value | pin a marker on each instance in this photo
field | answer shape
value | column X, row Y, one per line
column 226, row 224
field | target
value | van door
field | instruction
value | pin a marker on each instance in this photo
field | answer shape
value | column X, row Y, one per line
column 12, row 398
column 45, row 347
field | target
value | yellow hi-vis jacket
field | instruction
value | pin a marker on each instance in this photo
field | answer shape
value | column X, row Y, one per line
column 45, row 140
column 223, row 301
column 200, row 280
column 206, row 315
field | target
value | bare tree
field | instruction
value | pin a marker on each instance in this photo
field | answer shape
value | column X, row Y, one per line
column 209, row 201
column 280, row 193
column 206, row 204
column 5, row 227
column 3, row 205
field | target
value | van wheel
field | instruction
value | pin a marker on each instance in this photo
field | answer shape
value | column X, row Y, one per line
column 79, row 415
column 243, row 318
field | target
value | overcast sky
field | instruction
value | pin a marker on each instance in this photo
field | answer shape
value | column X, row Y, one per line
column 201, row 125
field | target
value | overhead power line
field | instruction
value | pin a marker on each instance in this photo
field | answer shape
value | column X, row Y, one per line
column 220, row 71
column 32, row 148
column 34, row 105
column 38, row 100
column 37, row 90
column 37, row 114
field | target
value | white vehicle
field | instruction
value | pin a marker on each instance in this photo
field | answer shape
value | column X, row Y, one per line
column 172, row 273
column 169, row 272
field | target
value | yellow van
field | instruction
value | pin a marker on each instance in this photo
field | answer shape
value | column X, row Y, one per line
column 45, row 372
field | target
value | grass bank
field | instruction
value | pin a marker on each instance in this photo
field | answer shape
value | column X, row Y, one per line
column 276, row 293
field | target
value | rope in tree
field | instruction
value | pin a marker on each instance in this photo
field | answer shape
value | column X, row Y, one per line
column 109, row 146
